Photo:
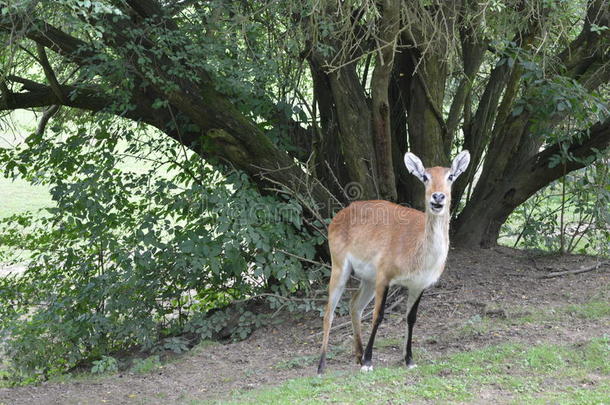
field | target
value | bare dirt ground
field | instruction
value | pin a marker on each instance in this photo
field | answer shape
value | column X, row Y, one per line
column 495, row 283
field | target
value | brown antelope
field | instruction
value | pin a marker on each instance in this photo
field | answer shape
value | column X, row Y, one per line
column 385, row 244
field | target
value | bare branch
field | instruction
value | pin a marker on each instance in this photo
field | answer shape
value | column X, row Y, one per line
column 50, row 37
column 578, row 271
column 27, row 83
column 49, row 73
column 46, row 116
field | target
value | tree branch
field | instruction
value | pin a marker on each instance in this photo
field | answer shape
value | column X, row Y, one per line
column 46, row 116
column 535, row 173
column 49, row 73
column 473, row 48
column 578, row 271
column 581, row 55
column 50, row 37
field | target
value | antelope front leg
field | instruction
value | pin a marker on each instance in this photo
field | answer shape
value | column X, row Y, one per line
column 412, row 305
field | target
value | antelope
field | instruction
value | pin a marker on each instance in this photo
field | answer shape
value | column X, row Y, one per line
column 385, row 244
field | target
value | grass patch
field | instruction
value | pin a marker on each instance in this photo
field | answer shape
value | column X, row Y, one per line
column 539, row 374
column 143, row 366
column 19, row 196
column 382, row 343
column 595, row 395
column 309, row 360
column 597, row 308
column 590, row 310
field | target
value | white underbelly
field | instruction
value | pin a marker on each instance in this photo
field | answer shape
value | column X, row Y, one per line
column 362, row 269
column 418, row 280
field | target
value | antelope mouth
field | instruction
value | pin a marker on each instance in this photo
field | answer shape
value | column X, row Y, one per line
column 436, row 207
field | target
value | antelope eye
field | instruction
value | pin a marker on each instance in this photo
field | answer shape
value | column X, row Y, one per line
column 450, row 178
column 425, row 177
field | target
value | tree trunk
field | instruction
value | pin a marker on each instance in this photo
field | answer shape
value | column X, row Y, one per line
column 478, row 225
column 382, row 73
column 424, row 91
column 355, row 135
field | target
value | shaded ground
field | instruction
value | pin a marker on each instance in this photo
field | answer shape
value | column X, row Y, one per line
column 484, row 297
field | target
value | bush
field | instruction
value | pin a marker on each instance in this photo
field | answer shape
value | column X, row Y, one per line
column 105, row 365
column 569, row 216
column 126, row 257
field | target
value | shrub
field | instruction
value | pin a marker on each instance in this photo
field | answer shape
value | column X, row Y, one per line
column 127, row 256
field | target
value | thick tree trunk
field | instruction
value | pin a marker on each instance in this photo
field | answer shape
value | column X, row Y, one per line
column 328, row 164
column 478, row 225
column 355, row 135
column 379, row 98
column 424, row 91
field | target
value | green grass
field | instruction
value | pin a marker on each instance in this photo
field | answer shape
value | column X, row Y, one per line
column 143, row 366
column 597, row 308
column 596, row 395
column 309, row 360
column 516, row 372
column 590, row 310
column 18, row 196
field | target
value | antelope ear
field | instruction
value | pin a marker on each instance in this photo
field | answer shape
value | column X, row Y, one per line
column 415, row 166
column 460, row 163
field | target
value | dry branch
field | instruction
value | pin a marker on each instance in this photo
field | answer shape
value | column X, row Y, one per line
column 388, row 309
column 568, row 272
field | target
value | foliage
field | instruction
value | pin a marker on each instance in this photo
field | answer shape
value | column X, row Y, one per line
column 106, row 364
column 568, row 216
column 175, row 344
column 126, row 257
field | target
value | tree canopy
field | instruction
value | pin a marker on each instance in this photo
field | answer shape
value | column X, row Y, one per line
column 311, row 96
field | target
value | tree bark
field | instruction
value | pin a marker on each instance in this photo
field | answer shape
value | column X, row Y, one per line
column 479, row 223
column 423, row 88
column 390, row 14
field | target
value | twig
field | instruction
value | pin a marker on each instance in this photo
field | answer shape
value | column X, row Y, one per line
column 430, row 293
column 50, row 74
column 336, row 180
column 388, row 309
column 304, row 259
column 582, row 270
column 365, row 316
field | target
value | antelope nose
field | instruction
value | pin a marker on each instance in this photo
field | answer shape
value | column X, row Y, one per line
column 438, row 197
